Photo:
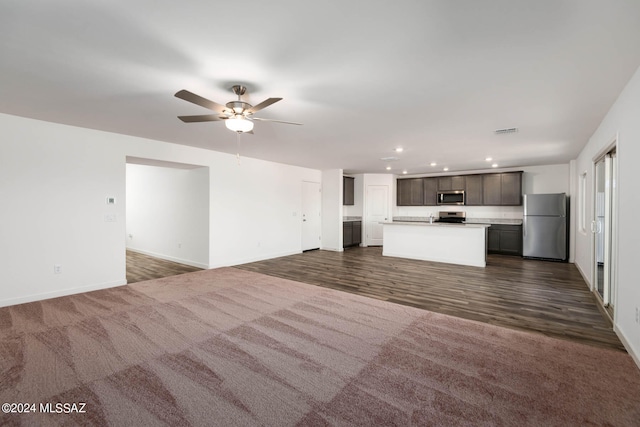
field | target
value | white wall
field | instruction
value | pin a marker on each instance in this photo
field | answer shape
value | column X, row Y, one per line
column 54, row 181
column 623, row 120
column 167, row 213
column 546, row 179
column 332, row 210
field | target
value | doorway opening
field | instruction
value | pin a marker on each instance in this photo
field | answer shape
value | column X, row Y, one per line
column 604, row 229
column 167, row 218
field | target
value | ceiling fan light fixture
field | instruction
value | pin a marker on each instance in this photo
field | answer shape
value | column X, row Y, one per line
column 239, row 124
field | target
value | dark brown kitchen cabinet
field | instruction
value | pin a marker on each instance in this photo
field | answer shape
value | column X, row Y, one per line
column 430, row 187
column 351, row 233
column 357, row 233
column 491, row 189
column 347, row 234
column 410, row 192
column 451, row 183
column 502, row 189
column 511, row 188
column 473, row 190
column 505, row 239
column 348, row 190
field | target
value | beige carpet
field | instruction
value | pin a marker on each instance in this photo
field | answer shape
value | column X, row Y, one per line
column 228, row 347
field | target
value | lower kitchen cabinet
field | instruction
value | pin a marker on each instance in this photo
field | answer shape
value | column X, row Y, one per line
column 505, row 239
column 351, row 233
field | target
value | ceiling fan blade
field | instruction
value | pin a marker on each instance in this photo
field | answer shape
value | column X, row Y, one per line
column 198, row 100
column 201, row 118
column 275, row 121
column 263, row 104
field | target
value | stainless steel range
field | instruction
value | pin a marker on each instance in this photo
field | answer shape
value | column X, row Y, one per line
column 452, row 217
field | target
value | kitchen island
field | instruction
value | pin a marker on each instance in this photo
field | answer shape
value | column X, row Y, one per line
column 464, row 244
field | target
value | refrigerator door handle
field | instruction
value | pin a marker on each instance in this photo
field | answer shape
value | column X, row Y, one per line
column 524, row 226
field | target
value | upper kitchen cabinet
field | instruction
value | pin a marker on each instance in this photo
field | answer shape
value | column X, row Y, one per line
column 473, row 190
column 446, row 183
column 348, row 190
column 492, row 189
column 502, row 189
column 430, row 187
column 410, row 192
column 512, row 188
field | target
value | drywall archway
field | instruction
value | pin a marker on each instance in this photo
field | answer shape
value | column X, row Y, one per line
column 167, row 210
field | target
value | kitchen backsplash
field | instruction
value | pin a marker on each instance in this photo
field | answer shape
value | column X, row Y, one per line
column 507, row 212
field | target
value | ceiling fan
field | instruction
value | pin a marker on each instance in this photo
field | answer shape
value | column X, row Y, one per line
column 237, row 115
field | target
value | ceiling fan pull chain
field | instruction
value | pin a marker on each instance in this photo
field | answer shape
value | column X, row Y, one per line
column 238, row 147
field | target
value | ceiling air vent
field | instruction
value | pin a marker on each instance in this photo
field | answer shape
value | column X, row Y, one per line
column 503, row 131
column 388, row 159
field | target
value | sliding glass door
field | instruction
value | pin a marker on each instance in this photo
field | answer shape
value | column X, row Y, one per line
column 603, row 228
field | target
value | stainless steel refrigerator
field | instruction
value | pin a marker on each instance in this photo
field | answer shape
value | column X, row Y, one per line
column 545, row 227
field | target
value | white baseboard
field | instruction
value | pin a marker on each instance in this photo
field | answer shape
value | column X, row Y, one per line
column 170, row 258
column 254, row 259
column 623, row 339
column 627, row 345
column 61, row 293
column 325, row 248
column 584, row 276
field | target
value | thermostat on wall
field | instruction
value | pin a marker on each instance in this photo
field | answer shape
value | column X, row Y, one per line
column 111, row 200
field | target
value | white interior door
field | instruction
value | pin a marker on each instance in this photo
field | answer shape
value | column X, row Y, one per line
column 377, row 211
column 311, row 215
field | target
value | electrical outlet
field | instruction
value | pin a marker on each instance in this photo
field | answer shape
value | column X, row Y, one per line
column 57, row 269
column 179, row 245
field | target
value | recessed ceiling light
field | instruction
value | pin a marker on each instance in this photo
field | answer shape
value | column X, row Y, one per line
column 404, row 172
column 433, row 163
column 399, row 150
column 388, row 168
column 445, row 169
column 495, row 165
column 488, row 159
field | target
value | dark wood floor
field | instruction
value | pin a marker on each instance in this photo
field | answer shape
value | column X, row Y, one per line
column 545, row 297
column 144, row 267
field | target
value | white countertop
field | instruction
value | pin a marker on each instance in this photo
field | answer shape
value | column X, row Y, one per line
column 435, row 224
column 505, row 221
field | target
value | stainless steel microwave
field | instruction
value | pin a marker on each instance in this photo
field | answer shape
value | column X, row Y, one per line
column 455, row 197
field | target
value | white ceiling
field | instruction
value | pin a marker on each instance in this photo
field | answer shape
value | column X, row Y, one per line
column 434, row 77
